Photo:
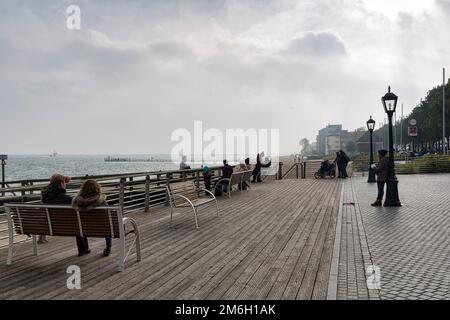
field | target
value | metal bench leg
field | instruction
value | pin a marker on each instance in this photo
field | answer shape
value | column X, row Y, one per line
column 137, row 238
column 122, row 254
column 195, row 217
column 35, row 247
column 10, row 247
column 11, row 238
column 138, row 245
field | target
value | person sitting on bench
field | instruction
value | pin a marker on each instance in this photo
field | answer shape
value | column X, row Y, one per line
column 55, row 193
column 259, row 164
column 90, row 197
column 227, row 171
column 183, row 164
column 244, row 167
column 207, row 177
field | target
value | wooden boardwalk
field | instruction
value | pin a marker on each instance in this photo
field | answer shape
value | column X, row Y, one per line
column 274, row 241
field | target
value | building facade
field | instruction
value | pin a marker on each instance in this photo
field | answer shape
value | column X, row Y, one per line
column 327, row 140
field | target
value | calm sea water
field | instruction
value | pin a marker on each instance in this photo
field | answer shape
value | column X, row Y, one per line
column 21, row 167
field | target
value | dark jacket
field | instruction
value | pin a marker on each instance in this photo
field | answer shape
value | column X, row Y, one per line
column 382, row 170
column 338, row 160
column 87, row 204
column 207, row 180
column 345, row 159
column 55, row 195
column 259, row 164
column 227, row 171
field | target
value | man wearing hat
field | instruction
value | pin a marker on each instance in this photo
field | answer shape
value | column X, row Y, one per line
column 382, row 173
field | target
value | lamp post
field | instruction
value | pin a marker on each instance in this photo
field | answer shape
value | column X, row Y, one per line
column 370, row 126
column 389, row 101
column 3, row 158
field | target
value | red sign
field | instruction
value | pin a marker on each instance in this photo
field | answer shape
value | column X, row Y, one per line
column 412, row 131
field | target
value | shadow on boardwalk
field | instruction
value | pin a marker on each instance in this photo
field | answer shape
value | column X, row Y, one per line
column 272, row 242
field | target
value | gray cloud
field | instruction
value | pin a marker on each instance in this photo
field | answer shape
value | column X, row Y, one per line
column 138, row 70
column 318, row 44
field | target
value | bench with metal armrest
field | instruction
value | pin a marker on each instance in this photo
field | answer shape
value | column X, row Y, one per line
column 185, row 195
column 236, row 179
column 63, row 220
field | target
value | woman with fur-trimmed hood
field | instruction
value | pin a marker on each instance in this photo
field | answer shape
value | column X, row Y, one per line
column 90, row 197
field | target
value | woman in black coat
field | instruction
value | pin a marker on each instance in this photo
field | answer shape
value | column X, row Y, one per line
column 55, row 193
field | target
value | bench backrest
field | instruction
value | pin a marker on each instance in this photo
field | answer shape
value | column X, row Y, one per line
column 62, row 220
column 236, row 178
column 187, row 189
column 247, row 175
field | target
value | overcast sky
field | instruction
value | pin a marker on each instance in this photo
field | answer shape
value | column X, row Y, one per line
column 137, row 70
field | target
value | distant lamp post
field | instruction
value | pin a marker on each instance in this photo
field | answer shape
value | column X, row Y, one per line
column 370, row 127
column 3, row 158
column 390, row 103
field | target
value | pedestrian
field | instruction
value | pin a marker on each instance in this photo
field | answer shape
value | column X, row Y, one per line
column 259, row 164
column 207, row 177
column 382, row 173
column 89, row 197
column 338, row 163
column 344, row 162
column 183, row 164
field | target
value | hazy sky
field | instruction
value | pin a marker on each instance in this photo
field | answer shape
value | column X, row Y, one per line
column 137, row 70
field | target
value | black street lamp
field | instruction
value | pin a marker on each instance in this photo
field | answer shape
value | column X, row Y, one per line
column 370, row 127
column 390, row 103
column 3, row 158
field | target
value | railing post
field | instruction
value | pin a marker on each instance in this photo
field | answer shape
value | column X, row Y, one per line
column 296, row 170
column 280, row 170
column 197, row 179
column 131, row 185
column 304, row 171
column 122, row 193
column 147, row 193
column 23, row 184
column 183, row 176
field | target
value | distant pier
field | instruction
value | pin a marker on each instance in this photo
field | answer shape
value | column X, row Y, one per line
column 129, row 159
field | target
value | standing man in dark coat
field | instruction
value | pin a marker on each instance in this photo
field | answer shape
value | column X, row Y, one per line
column 338, row 162
column 382, row 173
column 344, row 162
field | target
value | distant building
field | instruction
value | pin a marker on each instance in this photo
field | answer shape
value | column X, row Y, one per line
column 332, row 144
column 332, row 139
column 363, row 143
column 325, row 145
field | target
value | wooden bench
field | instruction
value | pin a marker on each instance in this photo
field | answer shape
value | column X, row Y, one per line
column 186, row 194
column 247, row 177
column 236, row 179
column 63, row 220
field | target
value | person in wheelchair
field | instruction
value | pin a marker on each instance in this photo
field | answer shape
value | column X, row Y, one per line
column 326, row 169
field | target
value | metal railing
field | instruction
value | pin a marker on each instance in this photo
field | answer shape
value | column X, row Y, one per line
column 303, row 169
column 132, row 192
